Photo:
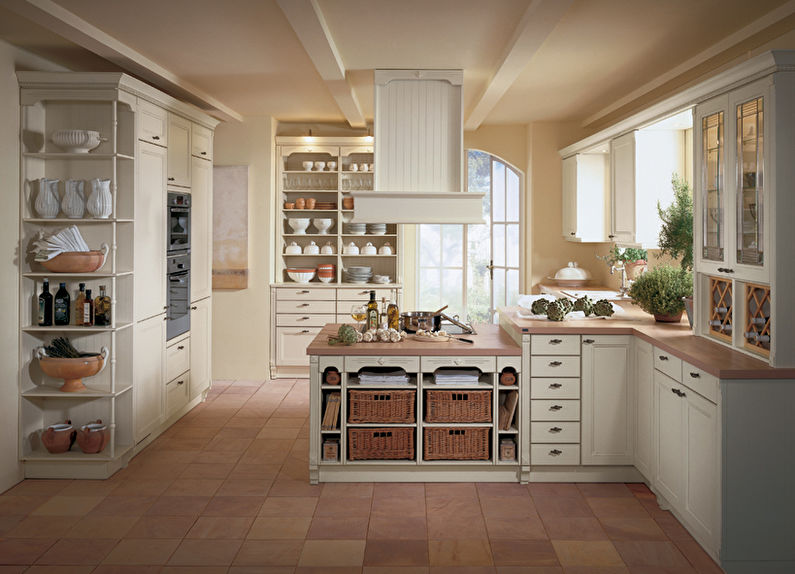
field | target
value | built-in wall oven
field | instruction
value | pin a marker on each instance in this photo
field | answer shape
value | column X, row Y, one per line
column 178, row 258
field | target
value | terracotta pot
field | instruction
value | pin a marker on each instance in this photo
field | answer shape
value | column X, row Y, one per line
column 300, row 203
column 635, row 268
column 347, row 203
column 72, row 371
column 93, row 437
column 675, row 318
column 58, row 438
column 310, row 202
column 77, row 261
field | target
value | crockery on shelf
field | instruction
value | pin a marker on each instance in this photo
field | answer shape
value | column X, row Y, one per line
column 58, row 438
column 320, row 165
column 350, row 249
column 347, row 203
column 100, row 202
column 47, row 204
column 70, row 368
column 292, row 249
column 369, row 249
column 298, row 224
column 327, row 249
column 93, row 437
column 385, row 249
column 310, row 202
column 323, row 224
column 289, row 205
column 300, row 203
column 73, row 203
column 331, row 165
column 307, row 165
column 353, row 167
column 300, row 274
column 311, row 249
column 77, row 141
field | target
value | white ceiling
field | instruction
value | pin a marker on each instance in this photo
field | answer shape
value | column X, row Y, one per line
column 245, row 55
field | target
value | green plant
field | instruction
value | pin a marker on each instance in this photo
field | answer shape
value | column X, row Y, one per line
column 346, row 335
column 676, row 233
column 625, row 254
column 660, row 290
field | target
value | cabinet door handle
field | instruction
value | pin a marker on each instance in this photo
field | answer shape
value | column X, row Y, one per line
column 555, row 364
column 573, row 233
column 555, row 341
column 304, row 331
column 611, row 236
column 360, row 292
column 194, row 307
column 180, row 382
column 555, row 452
column 725, row 270
column 303, row 318
column 555, row 385
column 165, row 318
column 204, row 153
column 663, row 357
column 555, row 407
column 180, row 347
column 171, row 178
column 155, row 137
column 694, row 375
column 303, row 292
column 588, row 341
column 165, row 307
column 304, row 305
column 555, row 429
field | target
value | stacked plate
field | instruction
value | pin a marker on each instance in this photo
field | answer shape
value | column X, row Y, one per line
column 357, row 274
column 327, row 205
column 355, row 228
column 376, row 228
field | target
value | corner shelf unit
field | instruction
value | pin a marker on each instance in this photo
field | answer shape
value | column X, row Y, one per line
column 47, row 106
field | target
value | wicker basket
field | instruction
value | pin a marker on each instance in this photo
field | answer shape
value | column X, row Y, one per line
column 380, row 443
column 458, row 406
column 456, row 443
column 389, row 406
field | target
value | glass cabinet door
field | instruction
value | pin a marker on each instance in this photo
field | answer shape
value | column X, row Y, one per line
column 712, row 185
column 750, row 187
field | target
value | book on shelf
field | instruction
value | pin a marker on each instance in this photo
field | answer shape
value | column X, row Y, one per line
column 332, row 413
column 507, row 410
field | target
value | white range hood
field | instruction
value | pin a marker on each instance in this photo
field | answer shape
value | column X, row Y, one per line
column 419, row 151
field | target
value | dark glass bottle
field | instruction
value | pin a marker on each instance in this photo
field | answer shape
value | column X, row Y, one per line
column 88, row 310
column 372, row 312
column 45, row 305
column 62, row 306
column 102, row 308
column 80, row 299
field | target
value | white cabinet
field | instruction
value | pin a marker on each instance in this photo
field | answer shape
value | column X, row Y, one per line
column 178, row 151
column 669, row 439
column 201, row 316
column 201, row 144
column 150, row 232
column 607, row 400
column 643, row 374
column 152, row 123
column 201, row 255
column 622, row 177
column 148, row 375
column 586, row 196
column 291, row 344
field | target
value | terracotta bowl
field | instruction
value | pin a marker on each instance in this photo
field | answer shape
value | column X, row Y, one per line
column 58, row 438
column 92, row 438
column 72, row 371
column 75, row 262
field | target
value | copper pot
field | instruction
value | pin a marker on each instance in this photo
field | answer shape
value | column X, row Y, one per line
column 93, row 437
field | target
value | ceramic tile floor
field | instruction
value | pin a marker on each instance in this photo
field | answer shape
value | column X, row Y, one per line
column 226, row 490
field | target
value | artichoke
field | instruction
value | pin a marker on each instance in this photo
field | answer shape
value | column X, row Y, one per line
column 539, row 307
column 568, row 305
column 584, row 304
column 603, row 308
column 346, row 335
column 556, row 311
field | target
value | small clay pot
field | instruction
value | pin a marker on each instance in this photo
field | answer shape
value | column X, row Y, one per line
column 310, row 202
column 93, row 437
column 675, row 318
column 507, row 378
column 347, row 203
column 300, row 203
column 58, row 438
column 289, row 205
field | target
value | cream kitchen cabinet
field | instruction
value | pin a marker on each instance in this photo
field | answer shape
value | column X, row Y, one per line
column 201, row 255
column 201, row 317
column 622, row 178
column 586, row 196
column 201, row 142
column 607, row 400
column 149, row 376
column 152, row 123
column 179, row 163
column 291, row 344
column 643, row 375
column 669, row 439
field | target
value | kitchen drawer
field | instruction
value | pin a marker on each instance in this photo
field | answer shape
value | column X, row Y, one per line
column 290, row 320
column 554, row 344
column 700, row 381
column 201, row 142
column 557, row 432
column 152, row 123
column 513, row 362
column 554, row 366
column 305, row 307
column 546, row 410
column 345, row 319
column 485, row 364
column 554, row 388
column 324, row 362
column 668, row 364
column 291, row 344
column 177, row 358
column 559, row 454
column 359, row 294
column 177, row 394
column 409, row 364
column 304, row 294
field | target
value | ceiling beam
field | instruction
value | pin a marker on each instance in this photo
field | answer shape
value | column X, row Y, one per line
column 537, row 22
column 310, row 26
column 70, row 26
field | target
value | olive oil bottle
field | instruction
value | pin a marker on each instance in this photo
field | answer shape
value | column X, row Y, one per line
column 102, row 308
column 62, row 306
column 372, row 312
column 80, row 299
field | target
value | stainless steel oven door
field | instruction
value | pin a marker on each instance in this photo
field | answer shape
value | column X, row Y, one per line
column 178, row 221
column 178, row 298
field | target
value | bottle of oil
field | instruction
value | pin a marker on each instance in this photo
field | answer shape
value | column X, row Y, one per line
column 102, row 308
column 45, row 304
column 372, row 312
column 88, row 310
column 393, row 314
column 62, row 305
column 80, row 299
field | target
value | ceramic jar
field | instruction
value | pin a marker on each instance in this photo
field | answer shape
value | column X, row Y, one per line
column 100, row 202
column 310, row 202
column 300, row 203
column 311, row 249
column 351, row 249
column 385, row 249
column 58, row 438
column 47, row 205
column 369, row 249
column 73, row 203
column 327, row 249
column 292, row 249
column 93, row 437
column 347, row 203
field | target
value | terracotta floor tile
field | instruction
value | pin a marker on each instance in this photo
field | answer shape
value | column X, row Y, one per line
column 347, row 490
column 332, row 553
column 202, row 553
column 8, row 523
column 133, row 551
column 279, row 432
column 38, row 487
column 493, row 489
column 12, row 569
column 660, row 570
column 123, row 506
column 244, row 487
column 604, row 489
column 529, row 570
column 343, row 507
column 387, row 526
column 142, row 487
column 282, row 487
column 161, row 527
column 398, row 490
column 509, row 528
column 650, row 553
column 59, row 569
column 23, row 550
column 394, row 570
column 261, row 570
column 289, row 506
column 463, row 570
column 554, row 489
column 277, row 528
column 42, row 527
column 226, row 444
column 285, row 422
column 452, row 527
column 564, row 528
column 101, row 527
column 459, row 552
column 632, row 529
column 328, row 570
column 626, row 507
column 524, row 553
column 218, row 457
column 508, row 507
column 453, row 506
column 586, row 553
column 596, row 570
column 338, row 528
column 68, row 506
column 235, row 433
column 638, row 488
column 233, row 506
column 125, row 569
column 178, row 506
column 194, row 570
column 396, row 553
column 672, row 527
column 459, row 490
column 201, row 470
column 77, row 551
column 269, row 553
column 701, row 561
column 220, row 527
column 255, row 471
column 570, row 507
column 194, row 487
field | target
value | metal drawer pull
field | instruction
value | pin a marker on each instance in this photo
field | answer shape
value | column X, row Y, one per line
column 194, row 308
column 204, row 153
column 695, row 375
column 180, row 382
column 663, row 357
column 555, row 429
column 171, row 178
column 555, row 385
column 555, row 407
column 303, row 318
column 364, row 293
column 725, row 270
column 155, row 137
column 304, row 331
column 555, row 364
column 180, row 347
column 555, row 452
column 678, row 393
column 304, row 292
column 555, row 341
column 304, row 305
column 588, row 341
column 380, row 361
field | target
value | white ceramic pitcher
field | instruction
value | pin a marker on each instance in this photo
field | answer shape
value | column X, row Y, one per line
column 47, row 204
column 73, row 203
column 100, row 202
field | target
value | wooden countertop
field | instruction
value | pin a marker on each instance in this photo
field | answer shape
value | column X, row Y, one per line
column 677, row 339
column 490, row 340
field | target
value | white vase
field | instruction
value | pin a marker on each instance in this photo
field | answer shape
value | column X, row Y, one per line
column 100, row 202
column 73, row 203
column 47, row 204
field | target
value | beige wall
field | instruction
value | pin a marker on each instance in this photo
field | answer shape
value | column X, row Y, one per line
column 11, row 60
column 241, row 318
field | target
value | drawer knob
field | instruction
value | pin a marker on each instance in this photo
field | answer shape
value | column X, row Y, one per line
column 555, row 364
column 555, row 429
column 555, row 341
column 180, row 382
column 204, row 153
column 555, row 407
column 694, row 375
column 380, row 361
column 155, row 137
column 678, row 393
column 304, row 331
column 171, row 178
column 555, row 452
column 194, row 308
column 555, row 385
column 663, row 357
column 180, row 347
column 457, row 362
column 588, row 341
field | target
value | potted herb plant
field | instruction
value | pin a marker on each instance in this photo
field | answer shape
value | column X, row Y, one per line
column 661, row 292
column 676, row 232
column 633, row 259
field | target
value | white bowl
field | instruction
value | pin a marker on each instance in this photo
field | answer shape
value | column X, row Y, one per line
column 302, row 275
column 77, row 141
column 292, row 249
column 307, row 165
column 571, row 271
column 298, row 224
column 323, row 224
column 331, row 165
column 319, row 165
column 326, row 279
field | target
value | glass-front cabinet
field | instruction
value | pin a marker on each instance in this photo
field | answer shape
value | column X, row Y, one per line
column 750, row 185
column 713, row 163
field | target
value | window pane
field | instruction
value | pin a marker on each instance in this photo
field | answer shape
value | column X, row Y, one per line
column 430, row 289
column 478, row 287
column 498, row 241
column 430, row 245
column 478, row 171
column 453, row 245
column 512, row 197
column 498, row 191
column 499, row 288
column 512, row 286
column 452, row 292
column 512, row 245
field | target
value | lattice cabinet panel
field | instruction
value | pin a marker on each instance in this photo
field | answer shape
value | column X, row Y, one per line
column 721, row 308
column 757, row 318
